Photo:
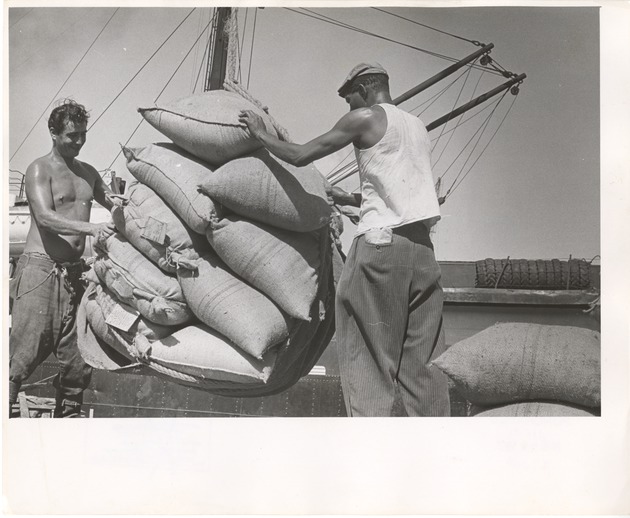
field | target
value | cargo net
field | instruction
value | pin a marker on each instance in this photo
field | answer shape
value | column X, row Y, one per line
column 553, row 274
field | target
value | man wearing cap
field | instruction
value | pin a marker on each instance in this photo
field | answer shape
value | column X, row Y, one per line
column 389, row 297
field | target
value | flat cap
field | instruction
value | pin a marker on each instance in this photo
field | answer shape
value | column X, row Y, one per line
column 360, row 70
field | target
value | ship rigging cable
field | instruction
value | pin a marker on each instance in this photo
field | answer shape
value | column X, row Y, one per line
column 474, row 42
column 206, row 48
column 453, row 186
column 461, row 90
column 21, row 18
column 64, row 83
column 142, row 67
column 328, row 19
column 165, row 86
column 251, row 52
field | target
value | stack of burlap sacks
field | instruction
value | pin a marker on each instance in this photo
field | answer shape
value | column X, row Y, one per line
column 220, row 274
column 526, row 370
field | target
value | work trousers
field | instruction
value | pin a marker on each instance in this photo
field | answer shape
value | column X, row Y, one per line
column 389, row 325
column 46, row 297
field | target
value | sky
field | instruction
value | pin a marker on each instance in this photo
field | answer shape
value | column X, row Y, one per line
column 533, row 193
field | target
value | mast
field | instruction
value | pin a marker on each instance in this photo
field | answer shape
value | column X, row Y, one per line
column 217, row 58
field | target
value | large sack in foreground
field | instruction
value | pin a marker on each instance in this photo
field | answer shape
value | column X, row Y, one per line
column 233, row 308
column 532, row 409
column 207, row 125
column 199, row 351
column 99, row 304
column 174, row 176
column 157, row 231
column 264, row 189
column 512, row 362
column 281, row 264
column 136, row 281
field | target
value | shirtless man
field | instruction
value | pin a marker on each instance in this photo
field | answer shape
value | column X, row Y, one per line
column 46, row 286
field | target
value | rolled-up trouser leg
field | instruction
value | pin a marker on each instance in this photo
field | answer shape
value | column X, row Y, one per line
column 32, row 325
column 75, row 374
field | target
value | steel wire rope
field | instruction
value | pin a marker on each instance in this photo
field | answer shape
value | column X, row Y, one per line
column 64, row 83
column 453, row 187
column 344, row 25
column 21, row 18
column 54, row 39
column 142, row 67
column 454, row 105
column 457, row 124
column 480, row 129
column 431, row 100
column 193, row 68
column 332, row 21
column 164, row 88
column 338, row 167
column 474, row 42
column 242, row 46
column 251, row 51
column 203, row 58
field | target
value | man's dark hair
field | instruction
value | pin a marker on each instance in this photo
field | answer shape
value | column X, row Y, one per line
column 68, row 111
column 375, row 82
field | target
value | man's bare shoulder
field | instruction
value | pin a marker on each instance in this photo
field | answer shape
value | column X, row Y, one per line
column 360, row 118
column 40, row 167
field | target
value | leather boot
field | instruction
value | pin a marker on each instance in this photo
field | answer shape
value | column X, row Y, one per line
column 65, row 407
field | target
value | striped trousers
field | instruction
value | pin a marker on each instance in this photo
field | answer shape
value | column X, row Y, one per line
column 389, row 325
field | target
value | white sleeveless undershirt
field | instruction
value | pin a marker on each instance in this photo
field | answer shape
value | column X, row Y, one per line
column 397, row 184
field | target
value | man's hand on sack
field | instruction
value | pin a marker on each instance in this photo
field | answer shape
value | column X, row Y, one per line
column 253, row 121
column 117, row 200
column 101, row 231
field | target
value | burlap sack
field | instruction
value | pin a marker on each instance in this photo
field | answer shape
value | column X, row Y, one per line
column 207, row 125
column 263, row 189
column 107, row 303
column 174, row 176
column 110, row 354
column 511, row 362
column 233, row 308
column 136, row 281
column 532, row 409
column 199, row 351
column 281, row 264
column 154, row 229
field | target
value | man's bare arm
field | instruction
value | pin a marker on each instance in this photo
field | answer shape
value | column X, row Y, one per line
column 347, row 130
column 40, row 199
